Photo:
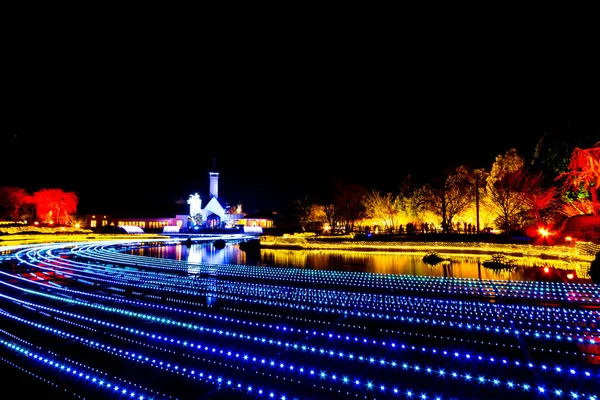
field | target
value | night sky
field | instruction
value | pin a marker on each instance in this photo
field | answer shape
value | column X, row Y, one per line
column 135, row 124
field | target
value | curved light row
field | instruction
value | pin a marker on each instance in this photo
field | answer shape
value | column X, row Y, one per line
column 498, row 330
column 225, row 340
column 393, row 303
column 81, row 371
column 375, row 298
column 281, row 367
column 536, row 334
column 173, row 322
column 410, row 320
column 297, row 346
column 557, row 291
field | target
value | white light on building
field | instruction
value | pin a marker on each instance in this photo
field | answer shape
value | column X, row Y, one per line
column 195, row 204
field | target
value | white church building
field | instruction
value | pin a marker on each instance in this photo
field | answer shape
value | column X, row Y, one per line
column 214, row 214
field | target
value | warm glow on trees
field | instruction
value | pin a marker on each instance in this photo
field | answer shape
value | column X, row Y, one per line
column 487, row 215
column 333, row 215
column 584, row 174
column 309, row 216
column 513, row 191
column 55, row 206
column 385, row 208
column 505, row 164
column 451, row 197
column 543, row 204
column 49, row 205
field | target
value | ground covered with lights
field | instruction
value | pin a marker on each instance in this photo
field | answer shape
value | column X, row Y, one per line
column 89, row 320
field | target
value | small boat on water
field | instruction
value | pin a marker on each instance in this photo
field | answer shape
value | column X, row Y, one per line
column 219, row 243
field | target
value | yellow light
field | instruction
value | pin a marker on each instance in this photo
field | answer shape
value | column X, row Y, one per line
column 546, row 269
column 570, row 276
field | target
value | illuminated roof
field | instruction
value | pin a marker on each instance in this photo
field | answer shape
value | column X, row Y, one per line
column 131, row 229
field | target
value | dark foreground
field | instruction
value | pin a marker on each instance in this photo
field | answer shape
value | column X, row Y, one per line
column 92, row 322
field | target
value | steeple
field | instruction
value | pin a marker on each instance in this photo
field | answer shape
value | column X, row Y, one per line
column 214, row 181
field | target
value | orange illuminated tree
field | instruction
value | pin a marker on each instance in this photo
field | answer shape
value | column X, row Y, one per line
column 515, row 194
column 584, row 174
column 386, row 208
column 450, row 197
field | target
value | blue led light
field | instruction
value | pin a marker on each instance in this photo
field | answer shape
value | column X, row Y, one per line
column 162, row 326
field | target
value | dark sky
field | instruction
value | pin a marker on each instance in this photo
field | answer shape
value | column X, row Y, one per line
column 134, row 122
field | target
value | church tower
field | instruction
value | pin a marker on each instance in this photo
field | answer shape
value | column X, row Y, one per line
column 214, row 184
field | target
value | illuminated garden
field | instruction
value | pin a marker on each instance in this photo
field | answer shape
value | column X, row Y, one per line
column 331, row 214
column 91, row 319
column 90, row 315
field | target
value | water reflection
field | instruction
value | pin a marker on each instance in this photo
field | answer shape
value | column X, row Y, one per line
column 387, row 263
column 456, row 265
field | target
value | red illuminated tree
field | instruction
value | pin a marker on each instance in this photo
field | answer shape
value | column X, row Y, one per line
column 584, row 174
column 16, row 202
column 543, row 204
column 55, row 206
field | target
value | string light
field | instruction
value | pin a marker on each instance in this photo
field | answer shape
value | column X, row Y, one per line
column 283, row 333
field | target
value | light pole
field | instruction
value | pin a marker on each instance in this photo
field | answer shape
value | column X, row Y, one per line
column 477, row 200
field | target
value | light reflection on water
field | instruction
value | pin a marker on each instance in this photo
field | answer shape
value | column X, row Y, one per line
column 457, row 265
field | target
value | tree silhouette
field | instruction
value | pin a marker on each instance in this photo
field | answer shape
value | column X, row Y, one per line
column 584, row 174
column 301, row 212
column 450, row 197
column 14, row 201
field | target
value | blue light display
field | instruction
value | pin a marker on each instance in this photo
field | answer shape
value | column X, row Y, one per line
column 91, row 320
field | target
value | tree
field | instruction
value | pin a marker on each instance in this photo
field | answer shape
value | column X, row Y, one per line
column 451, row 197
column 554, row 149
column 307, row 215
column 387, row 208
column 349, row 199
column 543, row 204
column 15, row 202
column 301, row 212
column 584, row 174
column 412, row 200
column 334, row 215
column 509, row 185
column 55, row 206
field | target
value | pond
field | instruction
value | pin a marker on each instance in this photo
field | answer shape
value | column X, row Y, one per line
column 400, row 263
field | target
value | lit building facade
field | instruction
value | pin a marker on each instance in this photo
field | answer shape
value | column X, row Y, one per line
column 214, row 215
